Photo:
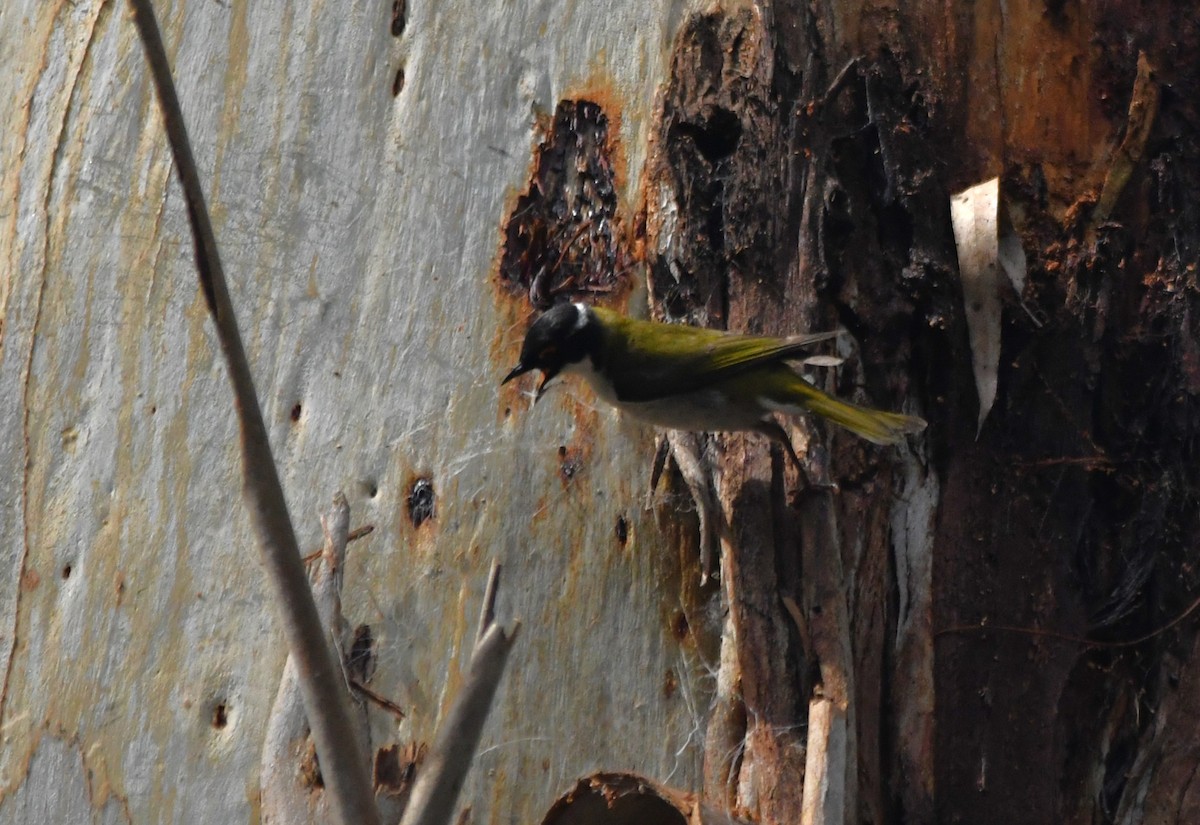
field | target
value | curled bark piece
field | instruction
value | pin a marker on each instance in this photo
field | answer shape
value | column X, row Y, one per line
column 824, row 361
column 687, row 450
column 987, row 249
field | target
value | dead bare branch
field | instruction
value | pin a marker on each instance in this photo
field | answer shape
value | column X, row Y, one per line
column 441, row 777
column 325, row 697
column 377, row 699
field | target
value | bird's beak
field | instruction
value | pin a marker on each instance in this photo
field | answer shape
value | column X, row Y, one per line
column 519, row 369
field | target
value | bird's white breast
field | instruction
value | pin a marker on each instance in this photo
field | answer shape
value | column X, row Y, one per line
column 702, row 410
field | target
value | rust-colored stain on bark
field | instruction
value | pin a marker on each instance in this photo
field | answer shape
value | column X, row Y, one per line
column 310, row 771
column 30, row 579
column 565, row 237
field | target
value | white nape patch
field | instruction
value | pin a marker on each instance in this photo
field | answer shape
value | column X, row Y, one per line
column 581, row 318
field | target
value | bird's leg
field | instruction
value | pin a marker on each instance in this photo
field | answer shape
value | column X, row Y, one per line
column 686, row 449
column 774, row 431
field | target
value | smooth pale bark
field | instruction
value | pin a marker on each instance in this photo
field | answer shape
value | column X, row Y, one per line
column 359, row 233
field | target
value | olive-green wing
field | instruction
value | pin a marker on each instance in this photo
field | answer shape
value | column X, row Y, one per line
column 660, row 360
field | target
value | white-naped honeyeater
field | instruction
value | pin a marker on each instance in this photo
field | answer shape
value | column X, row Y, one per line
column 690, row 378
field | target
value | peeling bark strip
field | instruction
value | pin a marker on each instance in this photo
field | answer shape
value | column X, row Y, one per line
column 716, row 162
column 564, row 239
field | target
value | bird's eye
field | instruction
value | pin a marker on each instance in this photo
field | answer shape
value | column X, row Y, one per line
column 548, row 352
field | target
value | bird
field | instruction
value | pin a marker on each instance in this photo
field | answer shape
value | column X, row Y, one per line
column 680, row 377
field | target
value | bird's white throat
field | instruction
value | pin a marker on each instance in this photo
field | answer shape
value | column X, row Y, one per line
column 586, row 370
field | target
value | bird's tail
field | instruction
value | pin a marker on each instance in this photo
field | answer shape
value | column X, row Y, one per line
column 876, row 426
column 786, row 391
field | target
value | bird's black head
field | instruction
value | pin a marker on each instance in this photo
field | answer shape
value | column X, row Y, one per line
column 563, row 335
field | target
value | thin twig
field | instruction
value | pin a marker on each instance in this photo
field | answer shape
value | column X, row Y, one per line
column 354, row 535
column 326, row 579
column 1067, row 637
column 343, row 767
column 380, row 700
column 567, row 248
column 360, row 532
column 838, row 82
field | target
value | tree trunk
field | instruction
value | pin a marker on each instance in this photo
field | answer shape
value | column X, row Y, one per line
column 966, row 605
column 979, row 627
